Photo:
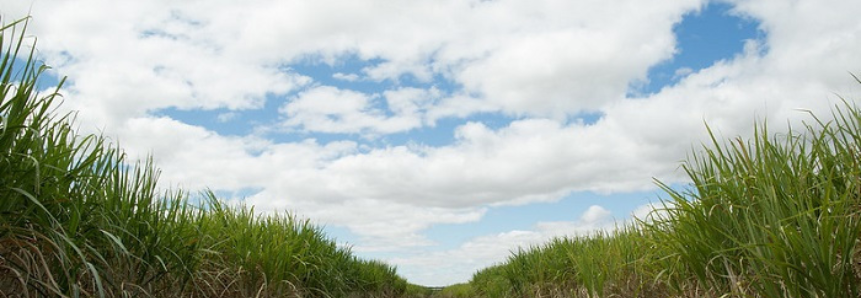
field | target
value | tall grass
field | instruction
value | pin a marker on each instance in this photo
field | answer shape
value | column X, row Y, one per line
column 77, row 219
column 773, row 216
column 592, row 266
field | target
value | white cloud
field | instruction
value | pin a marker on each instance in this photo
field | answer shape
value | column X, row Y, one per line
column 528, row 159
column 652, row 212
column 400, row 190
column 332, row 110
column 595, row 213
column 546, row 58
column 195, row 158
column 541, row 60
column 385, row 227
column 458, row 265
column 227, row 117
column 682, row 72
column 346, row 77
column 411, row 102
column 136, row 57
column 565, row 67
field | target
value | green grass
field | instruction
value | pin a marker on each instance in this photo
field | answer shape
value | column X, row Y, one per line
column 773, row 216
column 597, row 265
column 77, row 219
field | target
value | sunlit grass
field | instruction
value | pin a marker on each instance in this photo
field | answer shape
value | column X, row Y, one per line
column 773, row 216
column 77, row 219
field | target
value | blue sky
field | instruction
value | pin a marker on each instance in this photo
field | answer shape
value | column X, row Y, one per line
column 440, row 135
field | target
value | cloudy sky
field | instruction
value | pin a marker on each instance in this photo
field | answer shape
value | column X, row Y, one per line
column 439, row 135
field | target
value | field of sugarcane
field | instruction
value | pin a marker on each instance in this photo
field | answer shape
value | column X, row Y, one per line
column 777, row 215
column 77, row 219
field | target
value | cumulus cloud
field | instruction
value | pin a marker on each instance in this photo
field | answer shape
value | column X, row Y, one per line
column 196, row 158
column 382, row 226
column 528, row 160
column 346, row 77
column 226, row 117
column 332, row 110
column 132, row 58
column 547, row 58
column 400, row 190
column 539, row 61
column 458, row 265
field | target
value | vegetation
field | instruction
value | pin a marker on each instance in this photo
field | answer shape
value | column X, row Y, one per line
column 622, row 264
column 79, row 220
column 773, row 216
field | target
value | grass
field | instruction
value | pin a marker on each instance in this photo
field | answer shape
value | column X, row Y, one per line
column 773, row 216
column 77, row 219
column 597, row 265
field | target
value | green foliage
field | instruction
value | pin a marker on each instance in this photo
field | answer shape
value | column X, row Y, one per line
column 463, row 290
column 774, row 216
column 593, row 266
column 79, row 220
column 492, row 282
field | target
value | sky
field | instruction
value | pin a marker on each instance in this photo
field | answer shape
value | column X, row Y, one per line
column 440, row 135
